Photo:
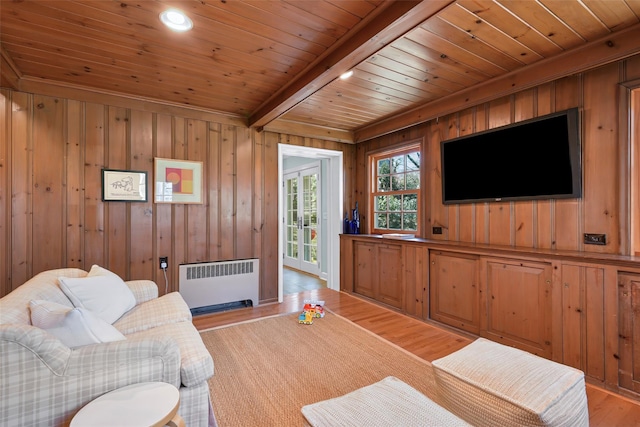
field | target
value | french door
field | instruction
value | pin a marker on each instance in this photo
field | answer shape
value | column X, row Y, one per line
column 302, row 191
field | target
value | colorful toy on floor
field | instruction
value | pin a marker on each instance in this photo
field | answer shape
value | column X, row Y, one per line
column 306, row 317
column 312, row 309
column 314, row 306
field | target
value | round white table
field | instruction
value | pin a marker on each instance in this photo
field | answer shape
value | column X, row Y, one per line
column 137, row 405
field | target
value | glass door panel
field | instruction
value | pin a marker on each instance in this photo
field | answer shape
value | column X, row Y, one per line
column 301, row 221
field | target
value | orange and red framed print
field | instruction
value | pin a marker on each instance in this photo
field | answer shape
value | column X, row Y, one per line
column 177, row 181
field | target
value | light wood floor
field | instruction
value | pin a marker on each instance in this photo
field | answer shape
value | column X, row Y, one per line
column 423, row 339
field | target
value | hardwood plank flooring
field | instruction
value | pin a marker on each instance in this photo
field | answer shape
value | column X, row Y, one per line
column 428, row 341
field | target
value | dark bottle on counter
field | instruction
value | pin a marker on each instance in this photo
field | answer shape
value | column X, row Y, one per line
column 355, row 223
column 346, row 224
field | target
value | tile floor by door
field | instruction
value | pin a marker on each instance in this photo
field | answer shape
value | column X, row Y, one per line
column 295, row 281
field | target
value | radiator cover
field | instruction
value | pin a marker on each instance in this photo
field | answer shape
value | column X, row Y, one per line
column 212, row 284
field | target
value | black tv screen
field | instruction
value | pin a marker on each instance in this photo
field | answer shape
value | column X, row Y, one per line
column 533, row 159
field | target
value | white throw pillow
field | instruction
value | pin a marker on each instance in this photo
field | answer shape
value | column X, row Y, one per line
column 75, row 327
column 102, row 292
column 96, row 270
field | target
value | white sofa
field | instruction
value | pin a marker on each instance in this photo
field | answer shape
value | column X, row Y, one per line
column 44, row 382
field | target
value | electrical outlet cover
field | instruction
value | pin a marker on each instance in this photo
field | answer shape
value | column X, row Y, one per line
column 164, row 262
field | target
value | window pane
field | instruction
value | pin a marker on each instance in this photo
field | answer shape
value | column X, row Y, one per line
column 381, row 203
column 413, row 161
column 395, row 222
column 384, row 183
column 381, row 220
column 410, row 202
column 383, row 167
column 292, row 250
column 397, row 164
column 395, row 202
column 397, row 182
column 410, row 221
column 413, row 180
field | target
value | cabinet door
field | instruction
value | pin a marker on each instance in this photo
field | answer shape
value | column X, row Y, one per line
column 454, row 298
column 416, row 281
column 365, row 274
column 346, row 264
column 583, row 319
column 518, row 305
column 629, row 315
column 389, row 270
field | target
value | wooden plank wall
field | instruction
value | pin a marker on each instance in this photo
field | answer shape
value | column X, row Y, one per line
column 52, row 150
column 552, row 224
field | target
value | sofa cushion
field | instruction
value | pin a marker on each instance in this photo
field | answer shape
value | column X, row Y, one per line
column 196, row 362
column 169, row 308
column 75, row 327
column 96, row 271
column 101, row 292
column 14, row 307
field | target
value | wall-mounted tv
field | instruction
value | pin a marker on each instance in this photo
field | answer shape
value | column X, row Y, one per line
column 538, row 158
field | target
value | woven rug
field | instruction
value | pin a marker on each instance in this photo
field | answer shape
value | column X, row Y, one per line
column 267, row 370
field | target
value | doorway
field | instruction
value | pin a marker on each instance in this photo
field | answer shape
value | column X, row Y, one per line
column 330, row 213
column 302, row 230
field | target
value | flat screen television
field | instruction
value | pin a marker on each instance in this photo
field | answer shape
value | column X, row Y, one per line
column 538, row 158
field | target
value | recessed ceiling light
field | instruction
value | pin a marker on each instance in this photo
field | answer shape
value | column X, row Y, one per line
column 346, row 75
column 176, row 20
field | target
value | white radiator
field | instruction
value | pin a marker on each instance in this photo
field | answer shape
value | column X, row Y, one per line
column 223, row 282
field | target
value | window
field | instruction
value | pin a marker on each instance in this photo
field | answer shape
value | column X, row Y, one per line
column 395, row 190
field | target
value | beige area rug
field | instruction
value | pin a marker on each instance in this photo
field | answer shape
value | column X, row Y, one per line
column 267, row 370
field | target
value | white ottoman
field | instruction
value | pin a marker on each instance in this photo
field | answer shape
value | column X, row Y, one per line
column 389, row 402
column 490, row 384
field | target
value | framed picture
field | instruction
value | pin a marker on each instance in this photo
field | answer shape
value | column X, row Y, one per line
column 177, row 181
column 124, row 186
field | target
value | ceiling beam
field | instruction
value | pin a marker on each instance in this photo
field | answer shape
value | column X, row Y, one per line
column 9, row 73
column 309, row 131
column 613, row 47
column 397, row 18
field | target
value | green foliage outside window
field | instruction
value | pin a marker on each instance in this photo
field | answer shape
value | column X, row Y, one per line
column 396, row 193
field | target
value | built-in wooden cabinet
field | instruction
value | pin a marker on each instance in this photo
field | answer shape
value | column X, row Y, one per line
column 416, row 281
column 378, row 272
column 629, row 337
column 576, row 308
column 454, row 294
column 583, row 330
column 518, row 305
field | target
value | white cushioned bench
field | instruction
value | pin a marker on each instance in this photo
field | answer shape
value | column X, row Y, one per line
column 490, row 384
column 389, row 402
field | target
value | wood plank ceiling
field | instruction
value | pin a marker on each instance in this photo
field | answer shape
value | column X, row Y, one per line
column 276, row 64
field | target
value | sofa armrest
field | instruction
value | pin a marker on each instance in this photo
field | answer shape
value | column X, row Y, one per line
column 143, row 290
column 157, row 359
column 21, row 343
column 47, row 383
column 18, row 341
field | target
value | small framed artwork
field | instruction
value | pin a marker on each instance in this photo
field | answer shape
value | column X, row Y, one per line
column 124, row 186
column 177, row 181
